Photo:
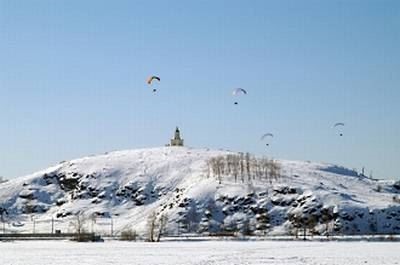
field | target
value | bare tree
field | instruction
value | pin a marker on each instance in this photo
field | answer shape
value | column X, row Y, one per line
column 235, row 167
column 78, row 225
column 253, row 167
column 217, row 166
column 151, row 226
column 162, row 224
column 264, row 164
column 241, row 166
column 220, row 166
column 247, row 164
column 208, row 168
column 214, row 166
column 156, row 227
column 229, row 164
column 274, row 169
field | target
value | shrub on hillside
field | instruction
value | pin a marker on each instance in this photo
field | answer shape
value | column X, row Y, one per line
column 128, row 235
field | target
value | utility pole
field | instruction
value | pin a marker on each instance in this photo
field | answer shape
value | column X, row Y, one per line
column 52, row 225
column 3, row 221
column 3, row 212
column 33, row 220
column 112, row 227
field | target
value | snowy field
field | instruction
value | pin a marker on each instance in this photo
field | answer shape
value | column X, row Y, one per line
column 205, row 252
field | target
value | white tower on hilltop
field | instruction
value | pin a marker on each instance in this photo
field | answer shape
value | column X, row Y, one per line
column 177, row 141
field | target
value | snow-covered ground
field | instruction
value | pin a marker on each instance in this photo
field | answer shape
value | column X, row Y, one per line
column 199, row 253
column 119, row 190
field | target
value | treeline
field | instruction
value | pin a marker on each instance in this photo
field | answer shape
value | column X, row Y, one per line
column 243, row 168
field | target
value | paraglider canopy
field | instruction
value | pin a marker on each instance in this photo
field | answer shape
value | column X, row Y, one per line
column 237, row 92
column 339, row 125
column 151, row 79
column 266, row 135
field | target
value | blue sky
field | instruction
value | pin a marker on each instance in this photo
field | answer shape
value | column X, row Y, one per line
column 72, row 79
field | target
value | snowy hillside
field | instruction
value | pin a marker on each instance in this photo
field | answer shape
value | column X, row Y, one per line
column 120, row 190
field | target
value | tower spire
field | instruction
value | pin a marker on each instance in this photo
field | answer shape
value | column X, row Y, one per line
column 177, row 140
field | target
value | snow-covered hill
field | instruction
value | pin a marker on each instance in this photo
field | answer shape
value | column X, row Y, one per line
column 120, row 190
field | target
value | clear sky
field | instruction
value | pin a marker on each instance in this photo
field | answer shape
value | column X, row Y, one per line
column 73, row 79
